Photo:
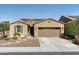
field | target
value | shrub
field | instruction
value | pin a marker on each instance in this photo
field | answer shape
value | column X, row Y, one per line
column 7, row 38
column 77, row 21
column 17, row 34
column 71, row 29
column 4, row 38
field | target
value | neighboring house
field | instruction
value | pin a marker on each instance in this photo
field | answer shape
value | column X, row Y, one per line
column 38, row 27
column 66, row 19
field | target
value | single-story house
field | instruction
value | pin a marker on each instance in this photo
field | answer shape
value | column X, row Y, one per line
column 38, row 27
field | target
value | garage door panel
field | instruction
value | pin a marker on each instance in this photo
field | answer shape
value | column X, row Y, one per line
column 48, row 32
column 56, row 33
column 44, row 33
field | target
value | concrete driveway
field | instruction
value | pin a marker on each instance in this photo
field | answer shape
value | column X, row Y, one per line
column 50, row 44
column 54, row 44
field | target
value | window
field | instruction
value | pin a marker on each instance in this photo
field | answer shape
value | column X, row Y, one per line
column 18, row 29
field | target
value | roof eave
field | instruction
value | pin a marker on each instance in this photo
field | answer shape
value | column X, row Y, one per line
column 52, row 20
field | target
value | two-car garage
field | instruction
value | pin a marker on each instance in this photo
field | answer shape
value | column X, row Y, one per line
column 48, row 32
column 49, row 28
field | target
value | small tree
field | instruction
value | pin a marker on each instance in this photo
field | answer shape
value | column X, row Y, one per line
column 4, row 26
column 71, row 29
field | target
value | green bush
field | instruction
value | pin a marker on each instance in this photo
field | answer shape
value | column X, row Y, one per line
column 71, row 29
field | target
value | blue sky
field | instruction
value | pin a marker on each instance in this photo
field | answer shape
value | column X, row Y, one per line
column 14, row 12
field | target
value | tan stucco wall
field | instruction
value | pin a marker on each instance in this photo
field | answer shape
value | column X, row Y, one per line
column 48, row 23
column 25, row 28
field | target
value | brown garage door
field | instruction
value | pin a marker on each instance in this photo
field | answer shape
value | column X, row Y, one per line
column 49, row 32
